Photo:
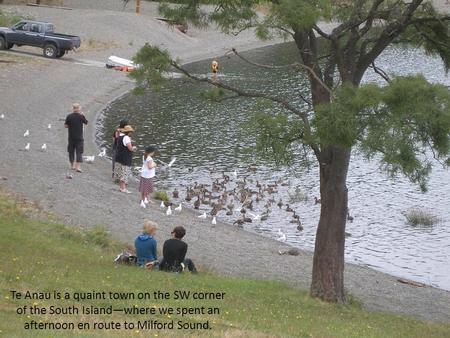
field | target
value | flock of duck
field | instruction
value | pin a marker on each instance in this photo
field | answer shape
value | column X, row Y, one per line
column 230, row 196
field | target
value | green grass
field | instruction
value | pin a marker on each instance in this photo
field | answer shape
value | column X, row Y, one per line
column 40, row 255
column 161, row 196
column 8, row 19
column 417, row 217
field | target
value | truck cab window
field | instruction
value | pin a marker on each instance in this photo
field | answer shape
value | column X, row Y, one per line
column 23, row 26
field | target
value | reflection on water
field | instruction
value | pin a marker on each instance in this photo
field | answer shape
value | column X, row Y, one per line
column 207, row 138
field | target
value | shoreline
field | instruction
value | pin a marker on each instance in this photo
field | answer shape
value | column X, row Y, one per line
column 94, row 200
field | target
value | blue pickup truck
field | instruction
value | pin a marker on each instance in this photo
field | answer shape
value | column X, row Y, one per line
column 38, row 34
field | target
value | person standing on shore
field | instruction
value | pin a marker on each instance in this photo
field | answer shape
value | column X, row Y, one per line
column 124, row 157
column 74, row 122
column 116, row 136
column 147, row 174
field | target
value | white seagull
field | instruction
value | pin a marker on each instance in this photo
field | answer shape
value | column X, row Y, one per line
column 27, row 147
column 255, row 217
column 44, row 147
column 202, row 216
column 169, row 211
column 172, row 161
column 89, row 159
column 281, row 236
column 2, row 116
column 214, row 221
column 49, row 126
column 26, row 133
column 178, row 208
column 162, row 204
column 235, row 173
column 102, row 153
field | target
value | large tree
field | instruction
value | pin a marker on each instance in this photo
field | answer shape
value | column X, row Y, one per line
column 404, row 122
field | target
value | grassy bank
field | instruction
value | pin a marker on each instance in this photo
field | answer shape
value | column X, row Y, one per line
column 45, row 256
column 8, row 19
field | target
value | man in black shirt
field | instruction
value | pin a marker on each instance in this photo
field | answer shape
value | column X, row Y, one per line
column 74, row 122
column 174, row 253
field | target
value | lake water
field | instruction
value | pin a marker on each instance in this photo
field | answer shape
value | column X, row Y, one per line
column 208, row 138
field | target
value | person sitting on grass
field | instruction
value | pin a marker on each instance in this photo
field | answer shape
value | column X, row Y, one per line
column 145, row 245
column 174, row 253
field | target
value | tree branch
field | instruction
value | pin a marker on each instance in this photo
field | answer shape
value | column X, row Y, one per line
column 390, row 32
column 381, row 72
column 252, row 94
column 292, row 65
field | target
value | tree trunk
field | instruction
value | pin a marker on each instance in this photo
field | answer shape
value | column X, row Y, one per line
column 328, row 264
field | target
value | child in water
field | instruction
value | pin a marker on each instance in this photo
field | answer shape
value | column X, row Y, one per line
column 147, row 174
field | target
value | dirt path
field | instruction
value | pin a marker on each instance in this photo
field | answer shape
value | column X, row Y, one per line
column 35, row 92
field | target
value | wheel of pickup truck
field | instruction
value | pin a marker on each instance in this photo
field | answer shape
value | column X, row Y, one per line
column 50, row 51
column 61, row 53
column 3, row 44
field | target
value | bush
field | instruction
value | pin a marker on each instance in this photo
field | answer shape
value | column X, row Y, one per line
column 417, row 217
column 8, row 19
column 161, row 196
column 98, row 235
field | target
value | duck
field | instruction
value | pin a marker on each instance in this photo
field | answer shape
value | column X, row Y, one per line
column 239, row 222
column 247, row 219
column 349, row 217
column 197, row 203
column 175, row 193
column 317, row 200
column 169, row 211
column 288, row 208
column 280, row 203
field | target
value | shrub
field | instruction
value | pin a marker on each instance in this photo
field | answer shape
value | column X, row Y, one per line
column 161, row 196
column 98, row 235
column 8, row 19
column 416, row 217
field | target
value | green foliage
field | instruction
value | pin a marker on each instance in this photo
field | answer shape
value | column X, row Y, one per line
column 300, row 14
column 153, row 64
column 411, row 122
column 161, row 196
column 277, row 134
column 405, row 122
column 98, row 235
column 416, row 217
column 215, row 94
column 342, row 121
column 9, row 19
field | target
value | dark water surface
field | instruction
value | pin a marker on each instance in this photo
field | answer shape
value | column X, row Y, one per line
column 208, row 138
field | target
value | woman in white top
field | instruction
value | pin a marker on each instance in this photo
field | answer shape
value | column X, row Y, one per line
column 147, row 174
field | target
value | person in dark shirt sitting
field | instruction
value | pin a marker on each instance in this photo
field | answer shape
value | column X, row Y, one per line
column 174, row 253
